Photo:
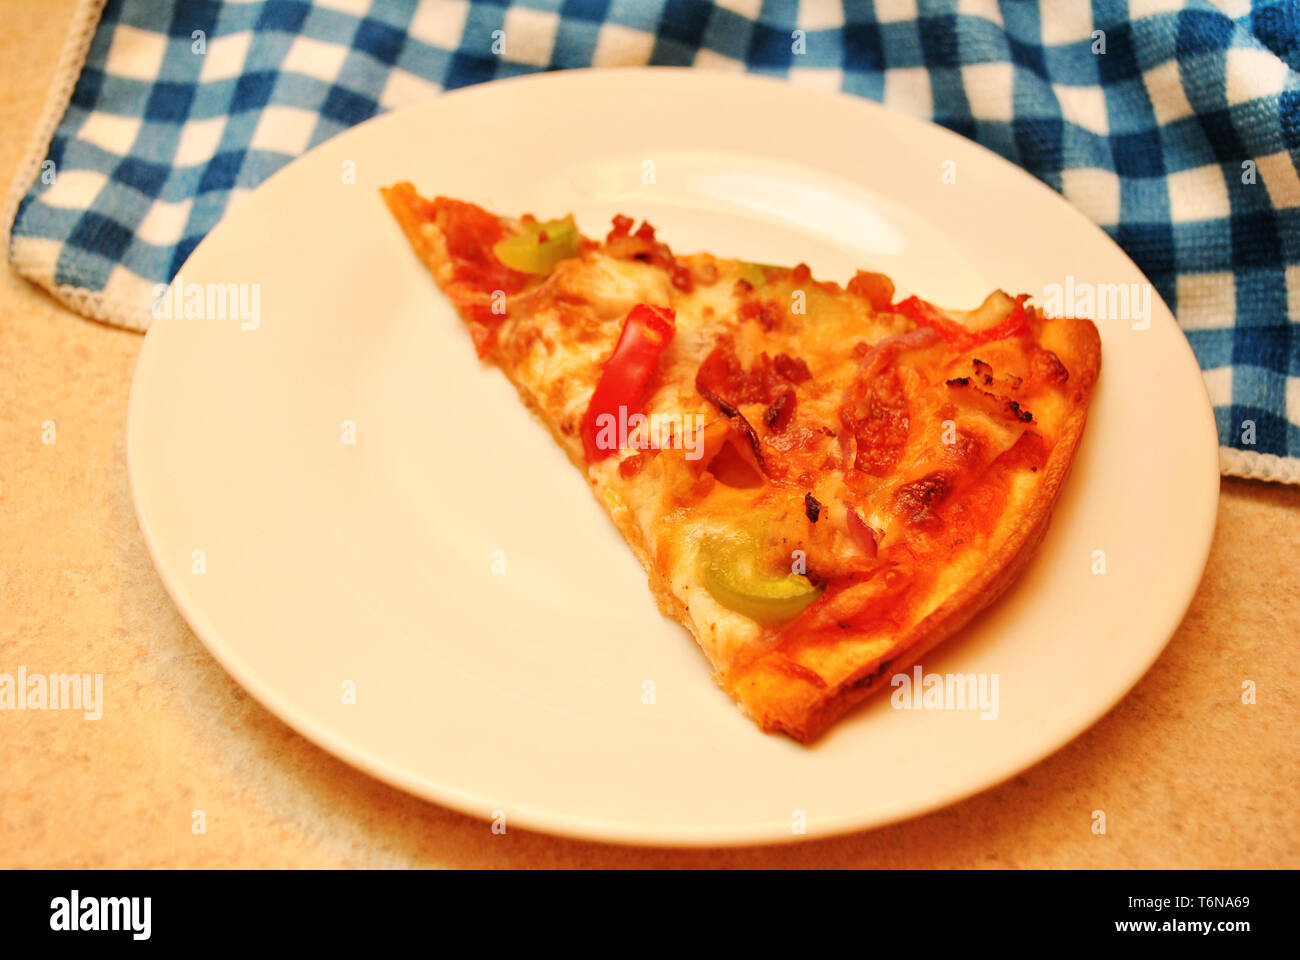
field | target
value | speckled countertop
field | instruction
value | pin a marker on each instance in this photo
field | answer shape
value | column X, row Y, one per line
column 1188, row 775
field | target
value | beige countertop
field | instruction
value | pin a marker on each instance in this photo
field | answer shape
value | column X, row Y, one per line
column 1187, row 774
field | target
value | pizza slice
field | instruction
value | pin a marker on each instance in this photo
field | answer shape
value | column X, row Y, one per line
column 821, row 482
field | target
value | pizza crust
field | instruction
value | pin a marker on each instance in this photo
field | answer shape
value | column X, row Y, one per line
column 781, row 700
column 789, row 701
column 775, row 689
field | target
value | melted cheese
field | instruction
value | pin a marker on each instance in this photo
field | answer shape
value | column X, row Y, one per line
column 824, row 338
column 557, row 335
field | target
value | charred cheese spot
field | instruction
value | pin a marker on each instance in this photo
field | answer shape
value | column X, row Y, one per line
column 917, row 500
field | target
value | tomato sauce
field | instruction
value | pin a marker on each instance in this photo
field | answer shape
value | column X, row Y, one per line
column 471, row 232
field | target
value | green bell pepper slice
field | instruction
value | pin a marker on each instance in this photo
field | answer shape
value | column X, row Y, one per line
column 733, row 577
column 540, row 247
column 756, row 274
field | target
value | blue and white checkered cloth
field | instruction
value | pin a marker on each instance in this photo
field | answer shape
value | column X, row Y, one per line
column 1175, row 124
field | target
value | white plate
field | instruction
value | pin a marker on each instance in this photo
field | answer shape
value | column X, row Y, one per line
column 370, row 564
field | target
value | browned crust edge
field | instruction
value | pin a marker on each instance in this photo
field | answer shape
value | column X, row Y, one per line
column 797, row 707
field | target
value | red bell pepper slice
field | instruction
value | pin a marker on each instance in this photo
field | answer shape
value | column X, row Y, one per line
column 646, row 332
column 1016, row 323
column 928, row 315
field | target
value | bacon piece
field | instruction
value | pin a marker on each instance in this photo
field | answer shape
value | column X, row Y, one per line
column 791, row 368
column 717, row 371
column 723, row 374
column 876, row 288
column 622, row 244
column 778, row 415
column 766, row 312
column 876, row 418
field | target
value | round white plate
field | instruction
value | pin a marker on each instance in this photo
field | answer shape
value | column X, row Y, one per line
column 329, row 567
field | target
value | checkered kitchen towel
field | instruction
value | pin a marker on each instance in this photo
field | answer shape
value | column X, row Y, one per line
column 1175, row 124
